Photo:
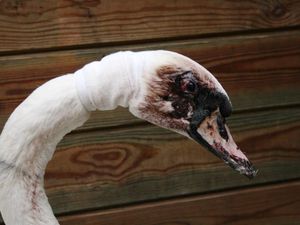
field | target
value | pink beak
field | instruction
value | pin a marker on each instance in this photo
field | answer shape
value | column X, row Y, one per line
column 214, row 134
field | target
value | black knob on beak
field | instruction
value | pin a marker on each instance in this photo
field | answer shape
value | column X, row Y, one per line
column 225, row 106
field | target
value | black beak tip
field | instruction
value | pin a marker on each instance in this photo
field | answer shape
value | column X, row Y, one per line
column 249, row 171
column 251, row 174
column 244, row 167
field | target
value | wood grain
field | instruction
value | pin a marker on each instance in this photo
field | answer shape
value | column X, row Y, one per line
column 135, row 164
column 258, row 71
column 116, row 160
column 275, row 204
column 33, row 24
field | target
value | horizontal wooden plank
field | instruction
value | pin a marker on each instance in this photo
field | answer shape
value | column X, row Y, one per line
column 258, row 71
column 275, row 204
column 34, row 24
column 121, row 166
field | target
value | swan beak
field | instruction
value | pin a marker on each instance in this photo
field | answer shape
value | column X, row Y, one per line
column 213, row 133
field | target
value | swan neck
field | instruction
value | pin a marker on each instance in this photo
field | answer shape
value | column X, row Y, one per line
column 108, row 83
column 27, row 143
column 38, row 124
column 33, row 130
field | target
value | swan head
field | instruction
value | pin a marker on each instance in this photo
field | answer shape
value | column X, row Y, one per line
column 181, row 95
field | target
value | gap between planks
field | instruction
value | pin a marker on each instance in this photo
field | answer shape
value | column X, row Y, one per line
column 181, row 199
column 114, row 210
column 164, row 40
column 142, row 123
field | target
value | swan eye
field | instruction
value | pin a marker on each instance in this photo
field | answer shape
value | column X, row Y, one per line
column 191, row 86
column 188, row 86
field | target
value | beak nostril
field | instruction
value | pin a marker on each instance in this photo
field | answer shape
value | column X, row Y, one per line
column 222, row 128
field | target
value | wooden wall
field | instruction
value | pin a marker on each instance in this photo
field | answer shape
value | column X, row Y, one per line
column 119, row 170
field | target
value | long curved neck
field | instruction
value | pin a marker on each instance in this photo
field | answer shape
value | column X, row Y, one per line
column 32, row 132
column 108, row 83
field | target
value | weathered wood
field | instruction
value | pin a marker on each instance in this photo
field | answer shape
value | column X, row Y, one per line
column 113, row 167
column 274, row 204
column 116, row 159
column 258, row 71
column 34, row 24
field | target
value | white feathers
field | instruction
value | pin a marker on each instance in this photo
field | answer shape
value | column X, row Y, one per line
column 32, row 132
column 106, row 84
column 83, row 91
column 27, row 143
column 166, row 107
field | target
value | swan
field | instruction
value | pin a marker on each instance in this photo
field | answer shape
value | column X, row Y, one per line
column 163, row 87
